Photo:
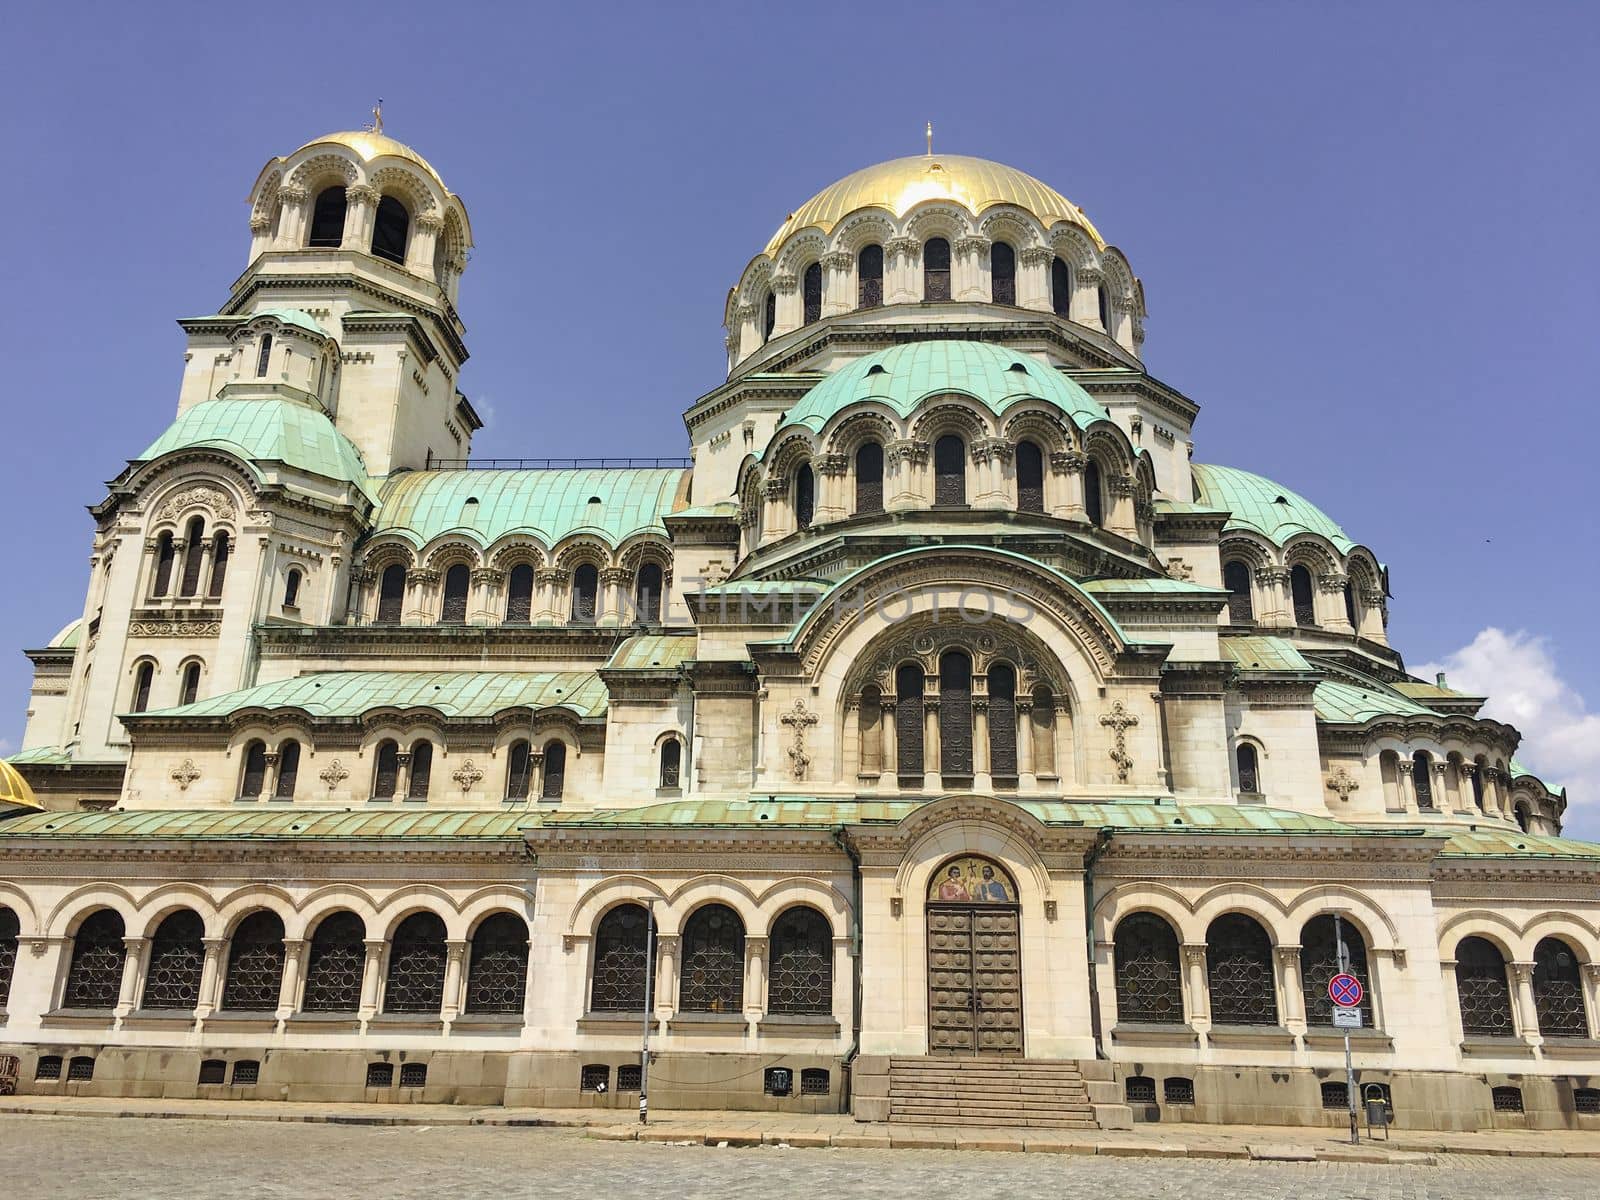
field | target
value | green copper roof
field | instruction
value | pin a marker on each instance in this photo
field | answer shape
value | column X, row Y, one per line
column 902, row 377
column 42, row 756
column 291, row 316
column 652, row 651
column 69, row 636
column 464, row 694
column 266, row 431
column 1513, row 843
column 233, row 824
column 1264, row 507
column 1159, row 585
column 1347, row 704
column 1257, row 653
column 487, row 505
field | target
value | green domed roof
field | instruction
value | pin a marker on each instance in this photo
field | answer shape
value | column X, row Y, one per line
column 902, row 377
column 1264, row 507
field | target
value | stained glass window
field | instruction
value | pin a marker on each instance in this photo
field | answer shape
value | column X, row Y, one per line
column 94, row 979
column 1558, row 990
column 1319, row 963
column 518, row 777
column 949, row 470
column 585, row 589
column 391, row 595
column 1482, row 989
column 908, row 722
column 555, row 769
column 421, row 770
column 647, row 593
column 801, row 976
column 497, row 976
column 390, row 225
column 1003, row 273
column 713, row 961
column 8, row 951
column 1002, row 721
column 416, row 966
column 177, row 960
column 519, row 595
column 936, row 269
column 457, row 583
column 288, row 770
column 386, row 773
column 620, row 952
column 1094, row 504
column 327, row 217
column 1060, row 288
column 671, row 762
column 805, row 497
column 955, row 714
column 254, row 778
column 869, row 277
column 1236, row 578
column 255, row 964
column 1239, row 968
column 334, row 964
column 811, row 293
column 1030, row 477
column 1149, row 976
column 164, row 560
column 1249, row 776
column 193, row 558
column 1300, row 591
column 869, row 478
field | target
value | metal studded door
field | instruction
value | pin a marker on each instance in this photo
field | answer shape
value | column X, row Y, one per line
column 974, row 980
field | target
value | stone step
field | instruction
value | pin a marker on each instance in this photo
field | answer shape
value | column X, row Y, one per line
column 984, row 1076
column 990, row 1121
column 1034, row 1095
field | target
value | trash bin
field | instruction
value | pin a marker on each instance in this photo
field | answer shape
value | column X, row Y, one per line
column 1377, row 1112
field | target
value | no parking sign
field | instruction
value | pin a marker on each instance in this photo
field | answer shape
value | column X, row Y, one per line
column 1345, row 990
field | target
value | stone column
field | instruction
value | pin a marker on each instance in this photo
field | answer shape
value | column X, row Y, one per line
column 134, row 950
column 1026, row 776
column 1061, row 733
column 372, row 976
column 1271, row 585
column 774, row 515
column 755, row 977
column 992, row 457
column 982, row 778
column 932, row 778
column 901, row 257
column 361, row 207
column 269, row 783
column 1086, row 298
column 535, row 774
column 486, row 582
column 1066, row 471
column 402, row 776
column 419, row 607
column 1408, row 787
column 889, row 779
column 454, row 977
column 833, row 491
column 210, row 977
column 1121, row 518
column 1441, row 796
column 838, row 283
column 616, row 608
column 1033, row 278
column 1196, row 993
column 1494, row 800
column 970, row 269
column 424, row 236
column 292, row 222
column 1372, row 626
column 1466, row 771
column 1525, row 1012
column 1292, row 1012
column 552, row 587
column 1330, row 597
column 666, row 993
column 790, row 311
column 294, row 954
column 903, row 484
column 749, row 330
column 1591, row 996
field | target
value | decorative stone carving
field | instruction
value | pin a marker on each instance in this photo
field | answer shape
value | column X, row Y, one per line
column 334, row 774
column 799, row 719
column 215, row 500
column 1342, row 783
column 1119, row 720
column 185, row 773
column 1068, row 462
column 467, row 776
column 175, row 629
column 1178, row 569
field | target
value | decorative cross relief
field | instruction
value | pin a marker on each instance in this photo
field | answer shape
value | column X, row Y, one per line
column 799, row 719
column 334, row 774
column 1342, row 783
column 1120, row 720
column 1178, row 569
column 185, row 773
column 467, row 775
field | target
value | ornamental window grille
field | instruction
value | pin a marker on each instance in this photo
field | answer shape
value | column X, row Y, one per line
column 1241, row 607
column 1507, row 1099
column 143, row 677
column 769, row 317
column 288, row 770
column 391, row 594
column 713, row 961
column 869, row 478
column 1558, row 990
column 80, row 1069
column 253, row 778
column 1336, row 1095
column 801, row 976
column 213, row 1071
column 1304, row 599
column 519, row 775
column 335, row 964
column 777, row 1081
column 811, row 293
column 1002, row 721
column 1482, row 989
column 255, row 964
column 1422, row 778
column 497, row 976
column 1030, row 477
column 220, row 548
column 1249, row 771
column 48, row 1067
column 165, row 555
column 291, row 588
column 189, row 692
column 1094, row 500
column 194, row 558
column 264, row 356
column 671, row 763
column 620, row 953
column 1586, row 1101
column 1149, row 978
column 390, row 227
column 1319, row 963
column 630, row 1078
column 908, row 723
column 246, row 1072
column 519, row 595
column 936, row 269
column 413, row 1075
column 805, row 497
column 594, row 1077
column 94, row 979
column 457, row 582
column 421, row 770
column 814, row 1081
column 177, row 960
column 1003, row 273
column 386, row 772
column 9, row 927
column 1239, row 969
column 380, row 1075
column 555, row 770
column 1177, row 1089
column 647, row 593
column 585, row 587
column 949, row 470
column 416, row 966
column 1139, row 1089
column 869, row 277
column 955, row 714
column 1060, row 287
column 327, row 217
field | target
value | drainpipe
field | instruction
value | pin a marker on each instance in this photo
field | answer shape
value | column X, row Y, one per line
column 1100, row 843
column 843, row 842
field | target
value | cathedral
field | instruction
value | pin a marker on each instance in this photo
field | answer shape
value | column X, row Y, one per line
column 942, row 739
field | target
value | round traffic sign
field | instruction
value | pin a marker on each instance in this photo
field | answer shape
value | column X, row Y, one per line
column 1345, row 990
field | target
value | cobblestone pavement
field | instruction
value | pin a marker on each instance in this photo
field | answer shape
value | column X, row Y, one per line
column 64, row 1158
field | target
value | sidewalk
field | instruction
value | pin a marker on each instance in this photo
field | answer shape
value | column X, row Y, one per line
column 802, row 1130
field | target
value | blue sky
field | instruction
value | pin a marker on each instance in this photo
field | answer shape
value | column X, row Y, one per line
column 1367, row 236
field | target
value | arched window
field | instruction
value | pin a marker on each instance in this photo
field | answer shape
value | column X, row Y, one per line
column 1475, row 770
column 253, row 776
column 291, row 588
column 9, row 928
column 1249, row 776
column 769, row 317
column 177, row 959
column 869, row 478
column 391, row 594
column 519, row 595
column 811, row 293
column 620, row 960
column 143, row 676
column 555, row 770
column 94, row 978
column 1060, row 287
column 164, row 561
column 1520, row 813
column 1030, row 477
column 288, row 770
column 1002, row 722
column 805, row 496
column 457, row 582
column 949, row 470
column 1003, row 273
column 335, row 963
column 1558, row 990
column 1104, row 304
column 1350, row 613
column 909, row 684
column 801, row 977
column 497, row 976
column 386, row 772
column 647, row 593
column 1482, row 989
column 1149, row 978
column 1422, row 778
column 1094, row 497
column 194, row 558
column 1044, row 731
column 1300, row 591
column 869, row 277
column 1239, row 968
column 327, row 217
column 416, row 966
column 389, row 230
column 1236, row 578
column 955, row 714
column 671, row 763
column 264, row 356
column 421, row 770
column 518, row 775
column 713, row 961
column 255, row 964
column 1319, row 963
column 220, row 547
column 936, row 269
column 585, row 586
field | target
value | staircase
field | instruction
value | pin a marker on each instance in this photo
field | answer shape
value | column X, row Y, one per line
column 1046, row 1093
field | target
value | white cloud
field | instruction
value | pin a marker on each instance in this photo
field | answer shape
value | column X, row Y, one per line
column 1560, row 736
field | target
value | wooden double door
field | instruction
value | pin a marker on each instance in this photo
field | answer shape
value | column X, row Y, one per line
column 974, row 979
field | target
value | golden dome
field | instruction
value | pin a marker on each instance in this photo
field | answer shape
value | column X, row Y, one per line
column 14, row 789
column 371, row 146
column 901, row 184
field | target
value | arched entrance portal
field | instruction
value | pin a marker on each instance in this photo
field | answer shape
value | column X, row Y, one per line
column 974, row 960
